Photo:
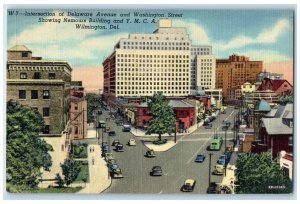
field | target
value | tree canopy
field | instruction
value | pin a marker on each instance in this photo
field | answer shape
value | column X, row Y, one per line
column 93, row 101
column 26, row 152
column 163, row 116
column 258, row 173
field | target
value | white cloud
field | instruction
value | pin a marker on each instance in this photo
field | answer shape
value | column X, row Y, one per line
column 269, row 35
column 197, row 33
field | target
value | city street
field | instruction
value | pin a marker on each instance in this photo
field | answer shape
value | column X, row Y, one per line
column 177, row 163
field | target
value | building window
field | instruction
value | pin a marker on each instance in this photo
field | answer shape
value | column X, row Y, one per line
column 36, row 75
column 46, row 112
column 24, row 54
column 51, row 76
column 290, row 141
column 34, row 94
column 23, row 75
column 22, row 94
column 46, row 129
column 46, row 94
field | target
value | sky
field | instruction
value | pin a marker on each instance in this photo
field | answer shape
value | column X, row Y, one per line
column 257, row 33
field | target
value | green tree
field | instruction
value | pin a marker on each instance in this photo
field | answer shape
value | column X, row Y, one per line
column 70, row 170
column 163, row 116
column 257, row 173
column 59, row 181
column 26, row 152
column 93, row 102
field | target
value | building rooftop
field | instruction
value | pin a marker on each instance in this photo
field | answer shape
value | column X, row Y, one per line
column 173, row 103
column 275, row 126
column 262, row 106
column 19, row 48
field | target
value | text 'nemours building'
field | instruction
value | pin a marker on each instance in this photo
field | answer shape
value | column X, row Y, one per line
column 40, row 84
column 163, row 61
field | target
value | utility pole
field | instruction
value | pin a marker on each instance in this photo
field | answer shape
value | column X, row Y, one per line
column 225, row 150
column 209, row 168
column 175, row 133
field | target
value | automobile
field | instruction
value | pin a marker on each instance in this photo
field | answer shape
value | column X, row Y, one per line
column 208, row 126
column 111, row 161
column 104, row 144
column 223, row 111
column 117, row 173
column 188, row 186
column 219, row 170
column 222, row 160
column 119, row 122
column 150, row 153
column 112, row 133
column 216, row 143
column 200, row 158
column 115, row 142
column 131, row 142
column 126, row 128
column 108, row 156
column 112, row 167
column 156, row 171
column 105, row 148
column 119, row 148
column 99, row 112
column 107, row 129
column 212, row 188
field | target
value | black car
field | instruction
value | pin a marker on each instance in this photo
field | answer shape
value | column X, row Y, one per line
column 212, row 189
column 115, row 142
column 156, row 171
column 188, row 185
column 112, row 133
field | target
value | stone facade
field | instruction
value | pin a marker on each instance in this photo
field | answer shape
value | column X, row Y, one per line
column 40, row 84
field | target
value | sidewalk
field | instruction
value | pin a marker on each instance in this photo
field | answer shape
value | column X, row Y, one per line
column 229, row 179
column 160, row 148
column 98, row 171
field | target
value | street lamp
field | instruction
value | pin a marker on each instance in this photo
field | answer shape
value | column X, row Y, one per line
column 209, row 168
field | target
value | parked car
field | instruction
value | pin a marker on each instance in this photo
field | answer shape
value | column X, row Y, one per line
column 222, row 160
column 208, row 126
column 119, row 147
column 212, row 188
column 200, row 158
column 115, row 142
column 150, row 153
column 111, row 161
column 112, row 133
column 126, row 128
column 112, row 167
column 132, row 142
column 117, row 173
column 219, row 170
column 188, row 185
column 108, row 156
column 104, row 143
column 156, row 171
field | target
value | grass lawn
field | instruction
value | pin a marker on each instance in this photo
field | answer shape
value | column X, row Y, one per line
column 53, row 190
column 84, row 172
column 80, row 151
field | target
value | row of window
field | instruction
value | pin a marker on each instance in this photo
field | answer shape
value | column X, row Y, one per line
column 156, row 43
column 154, row 56
column 154, row 48
column 186, row 73
column 154, row 87
column 200, row 53
column 154, row 83
column 140, row 92
column 150, row 71
column 34, row 94
column 131, row 66
column 36, row 75
column 152, row 79
column 152, row 61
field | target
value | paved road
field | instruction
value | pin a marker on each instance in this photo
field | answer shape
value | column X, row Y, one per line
column 177, row 163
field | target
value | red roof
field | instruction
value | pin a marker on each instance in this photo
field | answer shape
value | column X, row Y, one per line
column 275, row 84
column 288, row 157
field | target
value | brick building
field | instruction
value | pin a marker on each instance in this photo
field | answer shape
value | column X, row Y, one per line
column 185, row 114
column 78, row 113
column 40, row 84
column 233, row 72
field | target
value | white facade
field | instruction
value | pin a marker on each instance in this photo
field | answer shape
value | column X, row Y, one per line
column 205, row 72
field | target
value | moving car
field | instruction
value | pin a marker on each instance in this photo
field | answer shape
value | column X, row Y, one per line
column 112, row 133
column 115, row 142
column 132, row 142
column 126, row 128
column 150, row 153
column 188, row 185
column 119, row 148
column 219, row 170
column 200, row 158
column 156, row 171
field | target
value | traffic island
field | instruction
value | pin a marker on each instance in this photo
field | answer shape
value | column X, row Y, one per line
column 159, row 148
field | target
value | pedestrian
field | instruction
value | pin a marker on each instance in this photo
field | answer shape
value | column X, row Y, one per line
column 90, row 149
column 93, row 149
column 93, row 160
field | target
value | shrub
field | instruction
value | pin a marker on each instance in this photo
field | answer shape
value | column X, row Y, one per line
column 160, row 142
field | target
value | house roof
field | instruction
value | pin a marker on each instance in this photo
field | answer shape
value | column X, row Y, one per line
column 274, row 126
column 19, row 48
column 173, row 103
column 271, row 114
column 275, row 83
column 288, row 157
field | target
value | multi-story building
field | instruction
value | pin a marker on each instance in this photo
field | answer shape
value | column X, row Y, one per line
column 274, row 76
column 78, row 113
column 145, row 63
column 40, row 84
column 233, row 72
